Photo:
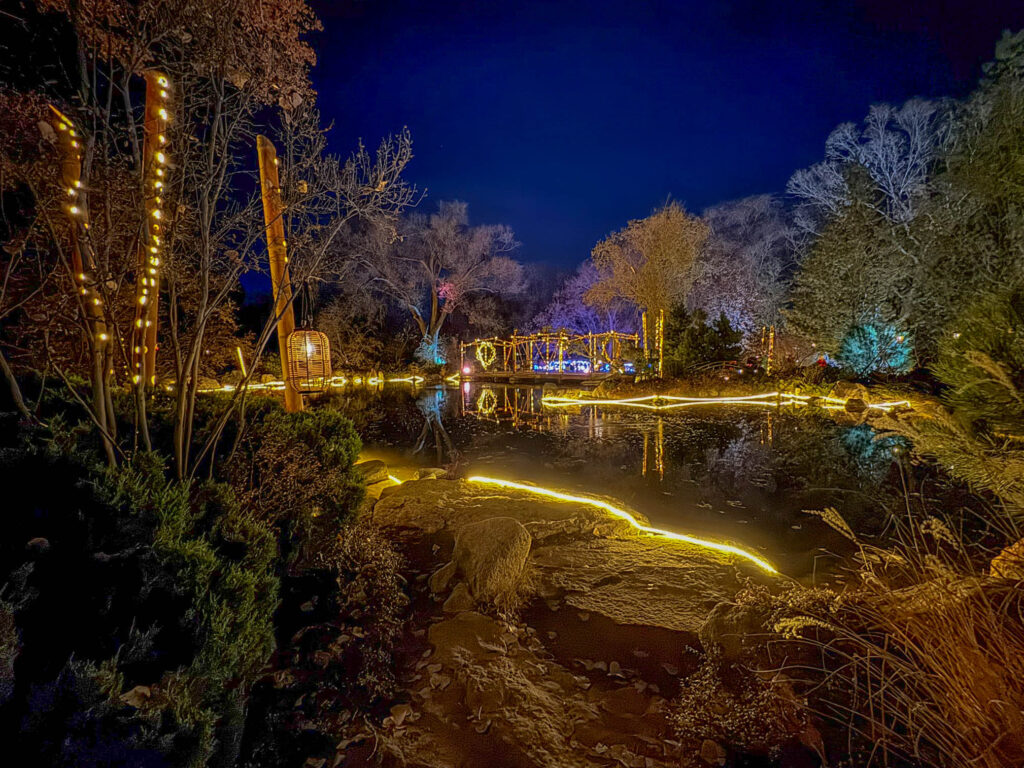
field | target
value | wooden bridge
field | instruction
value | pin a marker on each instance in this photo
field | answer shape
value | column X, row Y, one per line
column 559, row 356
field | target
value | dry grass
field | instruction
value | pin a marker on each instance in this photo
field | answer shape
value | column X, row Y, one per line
column 922, row 661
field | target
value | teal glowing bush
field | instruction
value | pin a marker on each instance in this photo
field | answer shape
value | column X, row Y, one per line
column 876, row 348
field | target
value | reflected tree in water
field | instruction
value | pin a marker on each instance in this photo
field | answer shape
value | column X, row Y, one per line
column 431, row 405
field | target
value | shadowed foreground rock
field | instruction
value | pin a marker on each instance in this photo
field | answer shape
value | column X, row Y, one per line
column 581, row 674
column 580, row 555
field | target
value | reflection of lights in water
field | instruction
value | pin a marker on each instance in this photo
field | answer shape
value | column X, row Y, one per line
column 668, row 402
column 624, row 515
column 465, row 387
column 487, row 402
column 337, row 381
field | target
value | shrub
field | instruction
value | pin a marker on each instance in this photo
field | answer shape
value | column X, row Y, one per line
column 338, row 629
column 298, row 474
column 876, row 348
column 690, row 341
column 982, row 362
column 142, row 607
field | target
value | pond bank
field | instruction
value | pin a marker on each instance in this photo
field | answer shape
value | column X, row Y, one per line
column 543, row 632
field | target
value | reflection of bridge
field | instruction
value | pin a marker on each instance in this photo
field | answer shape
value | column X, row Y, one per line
column 549, row 355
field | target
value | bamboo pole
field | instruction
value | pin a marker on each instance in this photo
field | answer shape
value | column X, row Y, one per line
column 278, row 255
column 154, row 158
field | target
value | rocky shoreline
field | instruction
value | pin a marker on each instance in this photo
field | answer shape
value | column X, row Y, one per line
column 542, row 632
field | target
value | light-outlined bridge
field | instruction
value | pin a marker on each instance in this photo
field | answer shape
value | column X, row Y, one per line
column 549, row 355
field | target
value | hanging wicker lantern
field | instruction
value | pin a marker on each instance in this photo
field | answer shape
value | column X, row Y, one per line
column 309, row 360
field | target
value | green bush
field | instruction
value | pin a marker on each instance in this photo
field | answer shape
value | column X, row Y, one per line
column 298, row 473
column 981, row 360
column 130, row 583
column 690, row 341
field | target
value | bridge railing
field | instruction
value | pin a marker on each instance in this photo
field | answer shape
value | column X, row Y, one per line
column 548, row 352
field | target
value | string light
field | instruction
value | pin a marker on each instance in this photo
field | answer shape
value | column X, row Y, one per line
column 624, row 515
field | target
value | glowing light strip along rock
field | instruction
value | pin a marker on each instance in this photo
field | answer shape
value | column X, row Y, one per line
column 624, row 515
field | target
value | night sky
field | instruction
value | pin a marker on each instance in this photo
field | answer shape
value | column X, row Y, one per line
column 566, row 119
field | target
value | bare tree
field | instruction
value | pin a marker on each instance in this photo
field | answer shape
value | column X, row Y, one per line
column 897, row 146
column 744, row 263
column 569, row 311
column 435, row 263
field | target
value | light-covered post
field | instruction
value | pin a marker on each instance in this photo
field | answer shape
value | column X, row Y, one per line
column 277, row 252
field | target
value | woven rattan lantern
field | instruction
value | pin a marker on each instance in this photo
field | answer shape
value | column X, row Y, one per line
column 309, row 360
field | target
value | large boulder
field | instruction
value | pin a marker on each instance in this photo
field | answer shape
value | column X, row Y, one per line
column 372, row 471
column 491, row 555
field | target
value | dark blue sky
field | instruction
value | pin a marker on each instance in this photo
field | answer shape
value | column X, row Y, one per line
column 566, row 119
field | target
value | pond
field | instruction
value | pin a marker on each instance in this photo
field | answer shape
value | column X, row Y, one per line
column 743, row 474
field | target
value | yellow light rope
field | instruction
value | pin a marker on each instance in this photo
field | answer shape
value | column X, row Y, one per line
column 623, row 514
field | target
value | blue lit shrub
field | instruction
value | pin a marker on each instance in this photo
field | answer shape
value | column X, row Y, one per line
column 876, row 348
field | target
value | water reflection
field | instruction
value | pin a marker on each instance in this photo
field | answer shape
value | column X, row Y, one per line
column 431, row 404
column 745, row 474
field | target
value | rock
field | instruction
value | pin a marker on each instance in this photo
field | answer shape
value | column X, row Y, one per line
column 441, row 579
column 269, row 378
column 205, row 382
column 399, row 712
column 850, row 390
column 491, row 554
column 636, row 581
column 137, row 696
column 1009, row 563
column 232, row 377
column 433, row 505
column 459, row 600
column 431, row 473
column 712, row 752
column 729, row 625
column 372, row 471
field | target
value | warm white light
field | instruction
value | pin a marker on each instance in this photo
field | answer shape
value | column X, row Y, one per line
column 623, row 514
column 156, row 213
column 73, row 209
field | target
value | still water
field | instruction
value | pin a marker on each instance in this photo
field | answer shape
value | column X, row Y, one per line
column 744, row 474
